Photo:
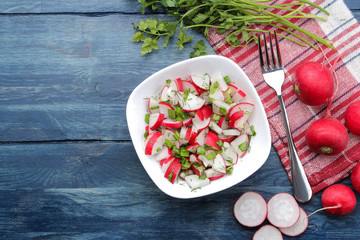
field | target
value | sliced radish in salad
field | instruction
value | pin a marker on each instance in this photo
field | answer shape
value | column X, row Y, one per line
column 250, row 209
column 267, row 232
column 197, row 128
column 283, row 210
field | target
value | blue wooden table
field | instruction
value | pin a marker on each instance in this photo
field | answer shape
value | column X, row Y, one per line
column 68, row 169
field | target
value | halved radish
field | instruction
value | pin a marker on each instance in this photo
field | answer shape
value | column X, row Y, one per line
column 191, row 86
column 153, row 105
column 195, row 182
column 163, row 94
column 229, row 154
column 185, row 173
column 246, row 107
column 193, row 147
column 217, row 94
column 154, row 143
column 155, row 120
column 194, row 159
column 163, row 154
column 179, row 84
column 197, row 169
column 193, row 103
column 234, row 117
column 250, row 209
column 222, row 123
column 228, row 139
column 238, row 96
column 283, row 210
column 205, row 161
column 171, row 167
column 241, row 144
column 171, row 123
column 183, row 134
column 206, row 97
column 231, row 132
column 207, row 111
column 219, row 164
column 164, row 108
column 211, row 140
column 175, row 172
column 187, row 121
column 213, row 174
column 213, row 126
column 267, row 232
column 231, row 90
column 218, row 77
column 220, row 107
column 199, row 125
column 299, row 227
column 202, row 82
column 172, row 92
column 200, row 139
column 165, row 163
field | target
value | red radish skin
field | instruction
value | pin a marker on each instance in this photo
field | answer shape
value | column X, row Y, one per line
column 250, row 209
column 327, row 136
column 352, row 117
column 313, row 84
column 355, row 178
column 338, row 199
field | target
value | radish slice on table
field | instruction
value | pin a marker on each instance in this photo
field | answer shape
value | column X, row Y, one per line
column 268, row 232
column 299, row 227
column 250, row 209
column 283, row 210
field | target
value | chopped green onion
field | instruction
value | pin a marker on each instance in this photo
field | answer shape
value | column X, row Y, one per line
column 202, row 177
column 146, row 134
column 147, row 117
column 176, row 136
column 229, row 169
column 185, row 164
column 184, row 152
column 243, row 146
column 158, row 149
column 154, row 107
column 216, row 117
column 227, row 79
column 220, row 143
column 211, row 156
column 213, row 87
column 222, row 110
column 168, row 143
column 200, row 150
column 186, row 94
column 170, row 176
column 253, row 133
column 171, row 113
column 228, row 92
column 229, row 100
column 168, row 81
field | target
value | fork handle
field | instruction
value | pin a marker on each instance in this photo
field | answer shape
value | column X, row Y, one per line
column 301, row 186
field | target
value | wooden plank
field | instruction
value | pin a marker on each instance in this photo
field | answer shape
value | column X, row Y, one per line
column 100, row 190
column 56, row 69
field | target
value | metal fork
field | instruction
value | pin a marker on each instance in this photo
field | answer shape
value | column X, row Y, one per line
column 274, row 76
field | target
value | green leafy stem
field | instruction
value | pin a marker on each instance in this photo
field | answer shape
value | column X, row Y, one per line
column 236, row 18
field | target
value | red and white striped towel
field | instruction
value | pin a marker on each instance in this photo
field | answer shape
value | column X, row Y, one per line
column 344, row 30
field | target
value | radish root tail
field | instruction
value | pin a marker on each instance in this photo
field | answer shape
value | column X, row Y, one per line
column 321, row 209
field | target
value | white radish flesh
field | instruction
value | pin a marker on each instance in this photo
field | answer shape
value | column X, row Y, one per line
column 195, row 182
column 268, row 232
column 202, row 82
column 250, row 209
column 219, row 164
column 299, row 227
column 283, row 210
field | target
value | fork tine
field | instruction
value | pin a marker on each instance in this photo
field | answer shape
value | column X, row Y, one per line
column 260, row 54
column 277, row 49
column 272, row 51
column 266, row 52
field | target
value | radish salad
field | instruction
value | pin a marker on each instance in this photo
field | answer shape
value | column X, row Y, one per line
column 198, row 127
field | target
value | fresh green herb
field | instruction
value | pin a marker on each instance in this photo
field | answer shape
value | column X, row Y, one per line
column 228, row 92
column 202, row 177
column 253, row 133
column 227, row 79
column 229, row 169
column 210, row 155
column 147, row 117
column 186, row 94
column 200, row 150
column 154, row 107
column 170, row 176
column 158, row 149
column 220, row 143
column 176, row 136
column 243, row 146
column 146, row 134
column 222, row 110
column 172, row 114
column 168, row 81
column 184, row 152
column 234, row 16
column 185, row 164
column 216, row 117
column 168, row 143
column 213, row 87
column 229, row 100
column 199, row 49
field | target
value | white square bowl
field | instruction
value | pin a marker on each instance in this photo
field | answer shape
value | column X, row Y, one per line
column 137, row 108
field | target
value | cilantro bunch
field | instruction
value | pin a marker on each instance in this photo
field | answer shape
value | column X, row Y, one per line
column 233, row 17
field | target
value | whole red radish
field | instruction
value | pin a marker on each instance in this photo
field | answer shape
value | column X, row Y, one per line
column 338, row 199
column 355, row 177
column 327, row 136
column 313, row 84
column 352, row 117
